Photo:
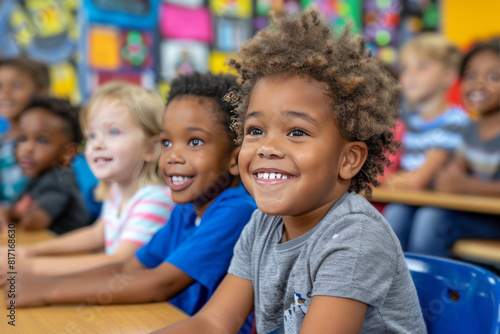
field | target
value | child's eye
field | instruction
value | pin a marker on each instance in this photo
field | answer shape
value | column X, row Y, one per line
column 166, row 143
column 21, row 139
column 255, row 132
column 42, row 141
column 297, row 133
column 195, row 142
column 91, row 136
column 493, row 77
column 469, row 76
column 113, row 132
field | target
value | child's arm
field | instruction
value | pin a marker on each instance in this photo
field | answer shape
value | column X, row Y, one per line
column 455, row 179
column 225, row 312
column 420, row 178
column 85, row 239
column 35, row 219
column 140, row 286
column 55, row 266
column 333, row 315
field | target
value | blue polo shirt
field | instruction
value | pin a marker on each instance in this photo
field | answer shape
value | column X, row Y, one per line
column 204, row 251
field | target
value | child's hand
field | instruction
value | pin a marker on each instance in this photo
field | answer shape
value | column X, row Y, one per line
column 30, row 290
column 452, row 180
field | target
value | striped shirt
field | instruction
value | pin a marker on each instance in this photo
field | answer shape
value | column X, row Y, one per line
column 482, row 156
column 443, row 132
column 146, row 212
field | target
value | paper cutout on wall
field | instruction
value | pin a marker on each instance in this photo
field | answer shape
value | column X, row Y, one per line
column 186, row 23
column 230, row 33
column 64, row 81
column 163, row 88
column 136, row 48
column 232, row 8
column 104, row 48
column 218, row 62
column 182, row 57
column 338, row 12
column 288, row 7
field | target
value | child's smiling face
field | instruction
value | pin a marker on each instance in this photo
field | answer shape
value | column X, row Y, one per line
column 16, row 90
column 481, row 82
column 292, row 150
column 197, row 156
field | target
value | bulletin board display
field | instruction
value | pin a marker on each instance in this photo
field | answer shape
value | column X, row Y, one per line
column 45, row 31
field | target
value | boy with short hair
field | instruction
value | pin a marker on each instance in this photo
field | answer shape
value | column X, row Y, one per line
column 48, row 136
column 314, row 115
column 20, row 80
column 429, row 67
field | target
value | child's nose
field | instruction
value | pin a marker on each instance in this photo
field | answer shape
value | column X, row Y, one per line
column 175, row 156
column 270, row 150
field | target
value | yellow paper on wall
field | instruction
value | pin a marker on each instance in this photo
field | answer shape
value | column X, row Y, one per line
column 104, row 48
column 466, row 21
column 233, row 8
column 218, row 62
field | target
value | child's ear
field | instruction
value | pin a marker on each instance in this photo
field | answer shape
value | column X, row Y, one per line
column 353, row 159
column 69, row 153
column 152, row 148
column 233, row 162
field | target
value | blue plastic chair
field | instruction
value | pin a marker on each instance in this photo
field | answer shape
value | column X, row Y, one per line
column 456, row 297
column 87, row 182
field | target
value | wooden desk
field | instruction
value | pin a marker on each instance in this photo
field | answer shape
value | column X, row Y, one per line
column 28, row 237
column 430, row 198
column 110, row 319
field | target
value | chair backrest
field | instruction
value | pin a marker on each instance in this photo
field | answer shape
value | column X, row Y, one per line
column 456, row 297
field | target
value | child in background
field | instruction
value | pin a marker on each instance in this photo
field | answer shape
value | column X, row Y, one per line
column 476, row 167
column 429, row 67
column 20, row 80
column 121, row 123
column 48, row 136
column 186, row 260
column 314, row 115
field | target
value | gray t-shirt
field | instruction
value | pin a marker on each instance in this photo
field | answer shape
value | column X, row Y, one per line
column 351, row 253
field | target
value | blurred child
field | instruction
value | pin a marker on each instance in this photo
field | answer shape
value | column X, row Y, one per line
column 121, row 123
column 48, row 136
column 186, row 259
column 314, row 115
column 20, row 80
column 429, row 67
column 476, row 167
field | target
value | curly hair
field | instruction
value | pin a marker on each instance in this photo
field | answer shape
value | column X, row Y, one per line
column 207, row 85
column 63, row 110
column 364, row 95
column 492, row 45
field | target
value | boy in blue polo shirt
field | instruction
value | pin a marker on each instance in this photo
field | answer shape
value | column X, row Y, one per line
column 186, row 260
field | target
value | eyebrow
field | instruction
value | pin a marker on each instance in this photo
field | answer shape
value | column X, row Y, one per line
column 253, row 114
column 301, row 115
column 194, row 128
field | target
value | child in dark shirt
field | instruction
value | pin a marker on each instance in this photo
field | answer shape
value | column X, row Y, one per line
column 48, row 136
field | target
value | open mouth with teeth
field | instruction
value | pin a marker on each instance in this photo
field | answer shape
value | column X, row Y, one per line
column 272, row 177
column 178, row 182
column 102, row 161
column 478, row 96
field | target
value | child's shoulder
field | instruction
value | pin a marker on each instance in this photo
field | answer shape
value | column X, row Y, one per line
column 235, row 196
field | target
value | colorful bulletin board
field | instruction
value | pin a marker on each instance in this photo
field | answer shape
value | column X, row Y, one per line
column 118, row 42
column 45, row 30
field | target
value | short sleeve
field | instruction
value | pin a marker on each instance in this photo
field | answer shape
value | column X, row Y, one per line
column 149, row 254
column 146, row 217
column 242, row 258
column 51, row 196
column 358, row 263
column 206, row 254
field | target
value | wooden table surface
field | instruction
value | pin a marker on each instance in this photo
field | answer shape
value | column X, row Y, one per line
column 76, row 319
column 429, row 198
